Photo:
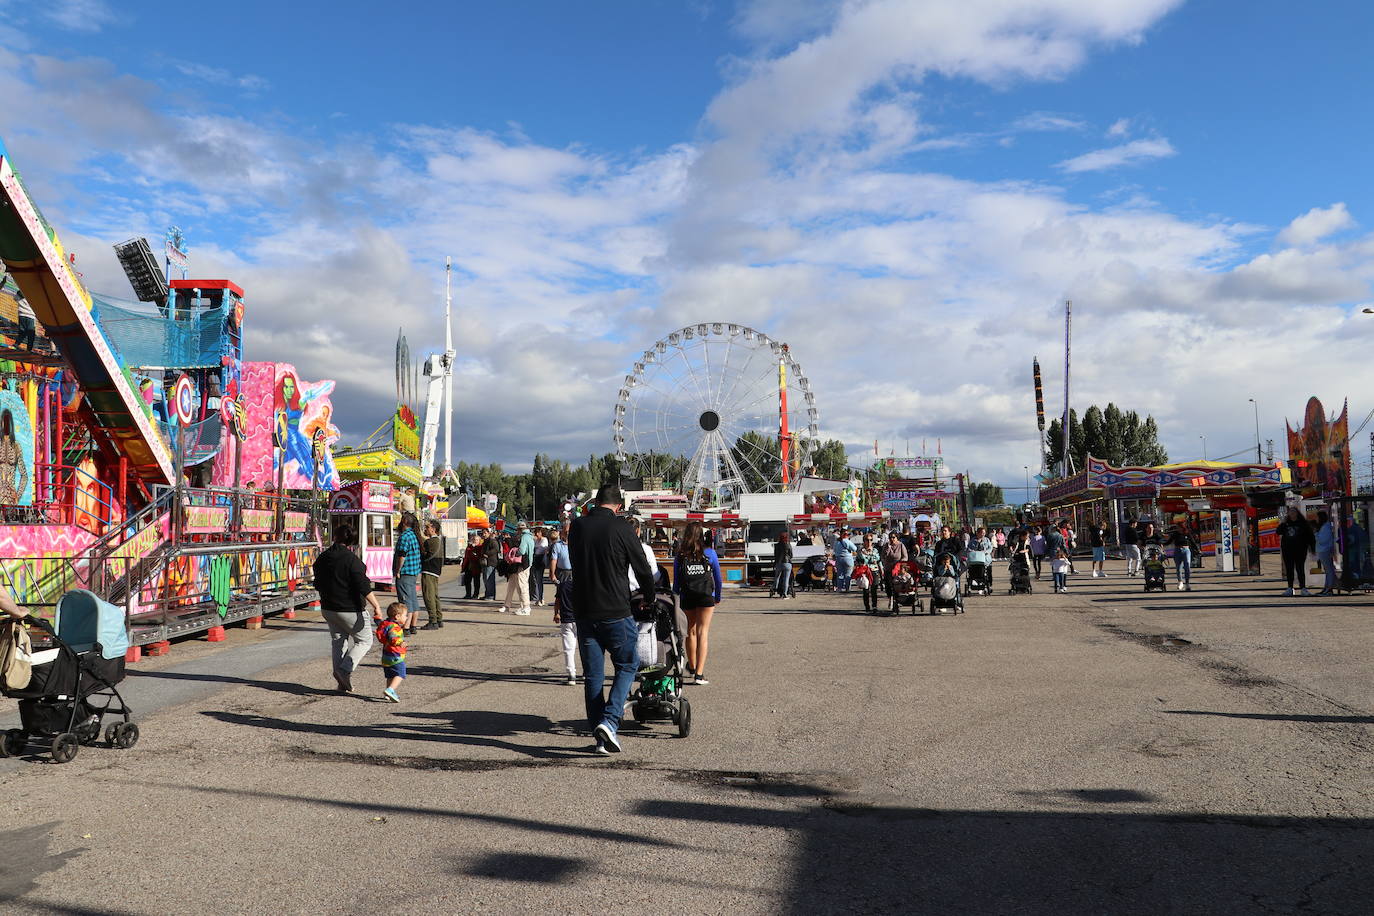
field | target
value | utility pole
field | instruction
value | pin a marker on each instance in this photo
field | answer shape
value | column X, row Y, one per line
column 1259, row 458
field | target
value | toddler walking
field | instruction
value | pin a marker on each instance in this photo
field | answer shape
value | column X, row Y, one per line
column 391, row 634
column 567, row 624
column 1059, row 566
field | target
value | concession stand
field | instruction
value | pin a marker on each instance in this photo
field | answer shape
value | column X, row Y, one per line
column 371, row 506
column 728, row 532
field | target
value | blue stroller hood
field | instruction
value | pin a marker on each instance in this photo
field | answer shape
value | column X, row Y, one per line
column 81, row 620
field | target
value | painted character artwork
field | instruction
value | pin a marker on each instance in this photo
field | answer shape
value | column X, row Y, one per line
column 301, row 415
column 16, row 451
column 274, row 405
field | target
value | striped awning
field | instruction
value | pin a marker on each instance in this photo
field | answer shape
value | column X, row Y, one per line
column 840, row 518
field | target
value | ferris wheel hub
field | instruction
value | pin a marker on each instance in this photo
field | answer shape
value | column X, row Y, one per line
column 709, row 420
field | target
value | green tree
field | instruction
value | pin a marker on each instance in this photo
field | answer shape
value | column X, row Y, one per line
column 1119, row 438
column 758, row 460
column 829, row 460
column 986, row 494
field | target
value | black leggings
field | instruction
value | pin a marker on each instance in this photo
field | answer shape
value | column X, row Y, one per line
column 1295, row 563
column 1036, row 561
column 871, row 594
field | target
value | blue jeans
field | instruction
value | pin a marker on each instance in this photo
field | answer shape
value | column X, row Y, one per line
column 782, row 579
column 405, row 593
column 1183, row 564
column 537, row 581
column 489, row 582
column 844, row 568
column 595, row 638
column 1328, row 560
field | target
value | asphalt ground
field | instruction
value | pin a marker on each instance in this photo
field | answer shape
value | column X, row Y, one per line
column 1102, row 751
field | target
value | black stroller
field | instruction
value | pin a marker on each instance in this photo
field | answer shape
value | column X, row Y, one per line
column 945, row 593
column 1153, row 567
column 659, row 694
column 1019, row 571
column 72, row 686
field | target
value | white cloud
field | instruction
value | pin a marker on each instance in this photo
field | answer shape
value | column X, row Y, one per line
column 1316, row 224
column 914, row 300
column 81, row 15
column 1133, row 153
column 1047, row 121
column 218, row 76
column 1120, row 128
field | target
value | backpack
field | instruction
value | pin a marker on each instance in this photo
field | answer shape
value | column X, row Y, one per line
column 697, row 578
column 514, row 558
column 16, row 658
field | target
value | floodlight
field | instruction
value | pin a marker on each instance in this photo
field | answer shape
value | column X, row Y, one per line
column 145, row 276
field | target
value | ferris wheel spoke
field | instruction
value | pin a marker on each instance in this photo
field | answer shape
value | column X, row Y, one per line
column 743, row 370
column 696, row 381
column 757, row 384
column 685, row 391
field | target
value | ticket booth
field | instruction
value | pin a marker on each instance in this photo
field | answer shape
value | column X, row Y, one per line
column 371, row 506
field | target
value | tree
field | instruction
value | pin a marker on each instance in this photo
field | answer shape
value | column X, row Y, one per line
column 986, row 494
column 1119, row 438
column 830, row 460
column 758, row 460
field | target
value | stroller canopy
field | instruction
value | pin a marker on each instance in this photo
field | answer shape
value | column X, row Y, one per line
column 82, row 620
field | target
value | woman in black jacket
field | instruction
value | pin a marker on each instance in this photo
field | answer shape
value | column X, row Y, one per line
column 782, row 567
column 1296, row 541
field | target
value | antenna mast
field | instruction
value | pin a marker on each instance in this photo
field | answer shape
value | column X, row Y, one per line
column 448, row 365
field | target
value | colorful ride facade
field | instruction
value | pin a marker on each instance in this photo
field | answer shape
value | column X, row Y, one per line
column 140, row 456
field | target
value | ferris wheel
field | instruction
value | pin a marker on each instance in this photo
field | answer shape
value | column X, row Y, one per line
column 716, row 410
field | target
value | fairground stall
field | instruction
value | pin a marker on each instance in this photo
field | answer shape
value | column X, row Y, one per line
column 728, row 532
column 370, row 506
column 1217, row 498
column 129, row 429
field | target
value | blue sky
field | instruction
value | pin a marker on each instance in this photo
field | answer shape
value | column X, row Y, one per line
column 604, row 172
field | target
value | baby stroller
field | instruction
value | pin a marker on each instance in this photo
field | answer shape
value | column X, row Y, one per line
column 922, row 562
column 1020, row 573
column 1152, row 565
column 945, row 592
column 814, row 573
column 904, row 590
column 659, row 694
column 979, row 577
column 72, row 686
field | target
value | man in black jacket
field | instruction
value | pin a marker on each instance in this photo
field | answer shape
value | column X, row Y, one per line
column 341, row 579
column 602, row 547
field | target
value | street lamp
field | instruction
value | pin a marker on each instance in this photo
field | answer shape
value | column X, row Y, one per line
column 1204, row 447
column 1027, row 496
column 1259, row 455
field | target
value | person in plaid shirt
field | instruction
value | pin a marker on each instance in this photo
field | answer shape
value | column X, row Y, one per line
column 405, row 567
column 392, row 636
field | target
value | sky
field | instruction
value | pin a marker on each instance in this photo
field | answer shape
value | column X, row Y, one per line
column 904, row 191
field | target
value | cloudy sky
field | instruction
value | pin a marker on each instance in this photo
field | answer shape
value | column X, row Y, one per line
column 903, row 190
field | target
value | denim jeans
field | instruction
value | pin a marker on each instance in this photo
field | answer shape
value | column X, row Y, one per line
column 1183, row 564
column 844, row 568
column 537, row 581
column 489, row 582
column 596, row 638
column 782, row 579
column 405, row 593
column 1328, row 560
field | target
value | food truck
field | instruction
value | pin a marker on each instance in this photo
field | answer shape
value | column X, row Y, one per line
column 371, row 506
column 727, row 530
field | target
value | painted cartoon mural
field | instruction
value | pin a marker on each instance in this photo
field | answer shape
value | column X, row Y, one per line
column 278, row 407
column 16, row 451
column 1325, row 446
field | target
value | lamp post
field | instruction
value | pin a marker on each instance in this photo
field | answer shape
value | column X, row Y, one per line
column 1204, row 447
column 1259, row 454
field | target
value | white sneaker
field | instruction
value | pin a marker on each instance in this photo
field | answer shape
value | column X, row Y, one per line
column 523, row 612
column 1094, row 574
column 1288, row 593
column 1180, row 586
column 501, row 609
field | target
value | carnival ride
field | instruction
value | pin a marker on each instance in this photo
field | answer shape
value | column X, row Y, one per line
column 97, row 456
column 717, row 410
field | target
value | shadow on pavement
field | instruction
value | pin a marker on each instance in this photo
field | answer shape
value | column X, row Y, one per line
column 578, row 831
column 1277, row 717
column 524, row 868
column 891, row 859
column 405, row 731
column 300, row 690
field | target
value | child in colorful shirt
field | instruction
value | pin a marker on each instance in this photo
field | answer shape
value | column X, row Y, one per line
column 391, row 633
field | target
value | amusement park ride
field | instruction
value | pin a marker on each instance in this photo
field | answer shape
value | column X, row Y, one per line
column 159, row 469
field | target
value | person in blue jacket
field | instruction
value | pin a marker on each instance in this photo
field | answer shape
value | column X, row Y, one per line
column 696, row 582
column 1326, row 552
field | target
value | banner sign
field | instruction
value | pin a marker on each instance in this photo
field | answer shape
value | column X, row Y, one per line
column 297, row 521
column 405, row 434
column 915, row 464
column 258, row 519
column 206, row 519
column 906, row 500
